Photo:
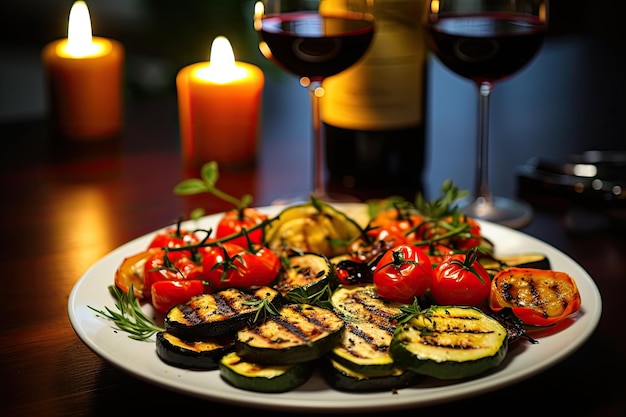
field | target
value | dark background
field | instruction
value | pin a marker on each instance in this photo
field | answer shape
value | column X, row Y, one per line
column 163, row 36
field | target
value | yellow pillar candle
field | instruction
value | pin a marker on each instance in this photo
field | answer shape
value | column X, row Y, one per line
column 84, row 79
column 219, row 104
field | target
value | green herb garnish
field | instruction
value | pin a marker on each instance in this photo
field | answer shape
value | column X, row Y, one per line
column 130, row 317
column 320, row 298
column 265, row 308
column 407, row 312
column 206, row 184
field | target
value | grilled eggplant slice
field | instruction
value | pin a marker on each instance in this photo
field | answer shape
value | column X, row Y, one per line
column 299, row 333
column 345, row 379
column 306, row 275
column 449, row 342
column 199, row 354
column 211, row 315
column 264, row 378
column 522, row 260
column 370, row 324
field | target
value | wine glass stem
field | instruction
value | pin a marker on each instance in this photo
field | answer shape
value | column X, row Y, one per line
column 319, row 183
column 481, row 184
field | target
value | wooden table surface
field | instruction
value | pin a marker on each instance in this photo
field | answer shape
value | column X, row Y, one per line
column 65, row 207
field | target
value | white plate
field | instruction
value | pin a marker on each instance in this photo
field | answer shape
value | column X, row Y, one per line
column 140, row 358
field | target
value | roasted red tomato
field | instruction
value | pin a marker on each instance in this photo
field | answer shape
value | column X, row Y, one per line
column 234, row 221
column 403, row 273
column 230, row 265
column 377, row 242
column 461, row 280
column 166, row 294
column 132, row 273
column 538, row 297
column 169, row 266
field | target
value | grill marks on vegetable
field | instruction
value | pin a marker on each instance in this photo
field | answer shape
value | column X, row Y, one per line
column 217, row 306
column 359, row 334
column 529, row 293
column 299, row 333
column 370, row 325
column 291, row 326
column 211, row 315
column 362, row 303
column 450, row 342
column 450, row 335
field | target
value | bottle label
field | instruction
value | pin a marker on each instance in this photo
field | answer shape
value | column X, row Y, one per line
column 384, row 90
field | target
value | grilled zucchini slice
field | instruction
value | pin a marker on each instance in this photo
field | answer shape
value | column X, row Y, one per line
column 264, row 378
column 370, row 324
column 198, row 354
column 345, row 379
column 449, row 342
column 362, row 302
column 314, row 227
column 306, row 275
column 299, row 333
column 211, row 315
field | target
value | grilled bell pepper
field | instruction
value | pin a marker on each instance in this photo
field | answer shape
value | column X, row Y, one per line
column 537, row 297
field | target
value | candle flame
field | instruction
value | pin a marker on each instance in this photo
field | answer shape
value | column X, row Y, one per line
column 222, row 67
column 79, row 35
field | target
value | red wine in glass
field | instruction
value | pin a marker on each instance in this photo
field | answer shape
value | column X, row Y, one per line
column 314, row 40
column 486, row 47
column 485, row 42
column 315, row 46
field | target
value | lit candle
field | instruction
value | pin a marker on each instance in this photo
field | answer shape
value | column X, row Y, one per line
column 219, row 105
column 84, row 76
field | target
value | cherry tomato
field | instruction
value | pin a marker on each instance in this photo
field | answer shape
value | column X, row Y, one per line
column 169, row 266
column 234, row 221
column 537, row 297
column 173, row 237
column 437, row 253
column 398, row 221
column 230, row 265
column 461, row 280
column 403, row 273
column 468, row 233
column 471, row 238
column 167, row 294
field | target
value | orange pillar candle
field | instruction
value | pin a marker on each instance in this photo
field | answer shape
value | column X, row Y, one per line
column 84, row 77
column 219, row 104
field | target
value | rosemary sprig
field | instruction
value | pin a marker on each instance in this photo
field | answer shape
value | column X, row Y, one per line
column 319, row 298
column 265, row 308
column 407, row 312
column 130, row 317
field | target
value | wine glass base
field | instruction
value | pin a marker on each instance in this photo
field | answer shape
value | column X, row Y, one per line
column 504, row 211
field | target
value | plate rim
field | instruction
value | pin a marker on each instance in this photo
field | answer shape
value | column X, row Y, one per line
column 171, row 376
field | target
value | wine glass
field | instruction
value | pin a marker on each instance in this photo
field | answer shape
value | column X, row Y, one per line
column 486, row 41
column 314, row 39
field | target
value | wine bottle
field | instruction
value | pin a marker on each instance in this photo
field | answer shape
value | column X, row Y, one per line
column 373, row 113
